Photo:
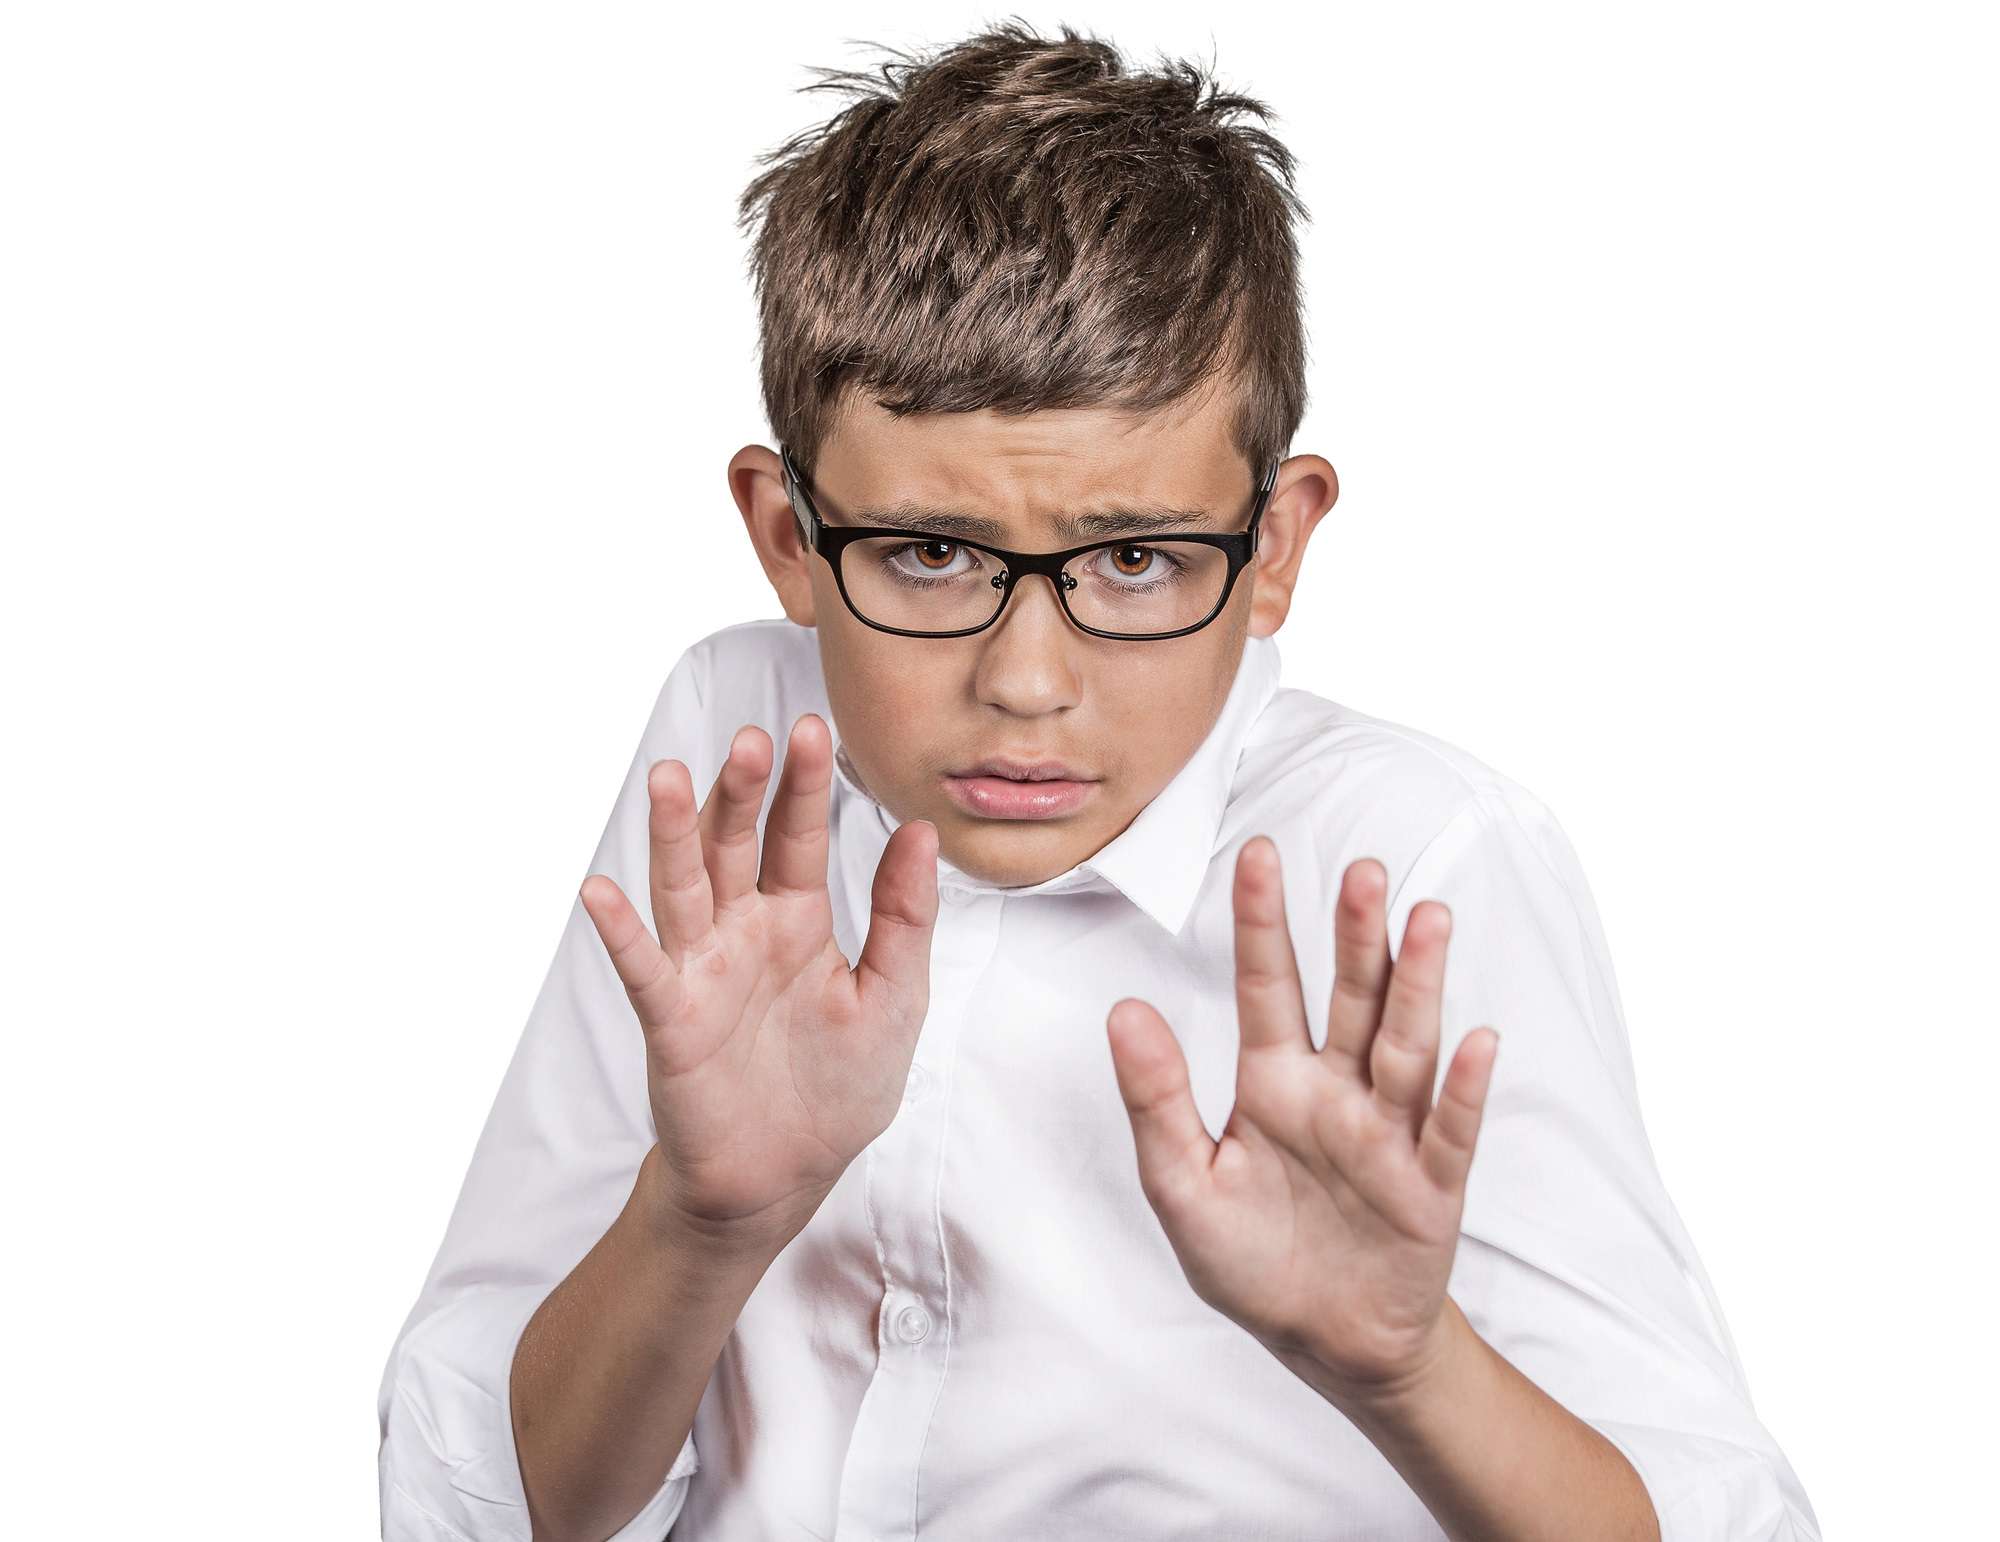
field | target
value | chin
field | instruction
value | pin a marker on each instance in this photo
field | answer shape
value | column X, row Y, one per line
column 1009, row 851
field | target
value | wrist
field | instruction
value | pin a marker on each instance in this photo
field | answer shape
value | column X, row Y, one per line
column 749, row 1242
column 1430, row 1374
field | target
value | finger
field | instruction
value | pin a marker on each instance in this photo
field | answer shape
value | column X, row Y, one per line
column 1445, row 1147
column 1270, row 1007
column 729, row 817
column 795, row 831
column 1360, row 968
column 893, row 976
column 1174, row 1147
column 683, row 913
column 1402, row 1064
column 649, row 977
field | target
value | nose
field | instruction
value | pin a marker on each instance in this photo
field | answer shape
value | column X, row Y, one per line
column 1023, row 667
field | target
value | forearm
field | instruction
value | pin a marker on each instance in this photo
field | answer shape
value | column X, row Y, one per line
column 611, row 1367
column 1491, row 1455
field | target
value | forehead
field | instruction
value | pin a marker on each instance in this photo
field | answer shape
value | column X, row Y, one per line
column 1026, row 479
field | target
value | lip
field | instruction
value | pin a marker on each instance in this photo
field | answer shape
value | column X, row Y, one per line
column 1018, row 770
column 998, row 797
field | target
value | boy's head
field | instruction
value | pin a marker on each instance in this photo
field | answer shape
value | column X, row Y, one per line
column 1023, row 286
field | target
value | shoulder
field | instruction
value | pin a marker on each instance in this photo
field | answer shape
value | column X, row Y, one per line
column 765, row 671
column 771, row 650
column 1343, row 784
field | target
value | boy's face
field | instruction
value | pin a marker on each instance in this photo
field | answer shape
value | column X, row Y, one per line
column 916, row 713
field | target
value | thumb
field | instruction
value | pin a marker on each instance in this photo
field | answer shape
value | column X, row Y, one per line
column 1175, row 1151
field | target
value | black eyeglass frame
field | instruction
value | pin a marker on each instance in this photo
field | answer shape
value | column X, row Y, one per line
column 1238, row 546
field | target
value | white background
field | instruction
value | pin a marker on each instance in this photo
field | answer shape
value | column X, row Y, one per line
column 369, row 375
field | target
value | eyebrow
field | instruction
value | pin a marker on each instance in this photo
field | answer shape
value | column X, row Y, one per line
column 977, row 527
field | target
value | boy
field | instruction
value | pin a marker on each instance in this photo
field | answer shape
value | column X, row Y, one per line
column 1119, row 968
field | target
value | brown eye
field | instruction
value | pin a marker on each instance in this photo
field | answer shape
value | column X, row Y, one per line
column 926, row 560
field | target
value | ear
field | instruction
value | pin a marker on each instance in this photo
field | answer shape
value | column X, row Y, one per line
column 1305, row 490
column 757, row 483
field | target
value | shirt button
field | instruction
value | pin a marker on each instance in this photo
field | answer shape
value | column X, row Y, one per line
column 913, row 1323
column 919, row 1085
column 953, row 896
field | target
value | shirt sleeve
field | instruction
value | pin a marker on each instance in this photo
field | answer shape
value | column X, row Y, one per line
column 553, row 1166
column 1573, row 1261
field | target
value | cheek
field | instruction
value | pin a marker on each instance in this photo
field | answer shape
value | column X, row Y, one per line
column 1147, row 746
column 1162, row 714
column 892, row 732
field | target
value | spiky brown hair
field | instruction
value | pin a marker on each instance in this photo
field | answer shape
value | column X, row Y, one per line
column 1018, row 222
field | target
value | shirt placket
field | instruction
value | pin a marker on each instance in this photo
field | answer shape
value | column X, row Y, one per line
column 879, row 1478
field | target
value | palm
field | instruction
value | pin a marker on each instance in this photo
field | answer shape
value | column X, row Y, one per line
column 1326, row 1217
column 771, row 1063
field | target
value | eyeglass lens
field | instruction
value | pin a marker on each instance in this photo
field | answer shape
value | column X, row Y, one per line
column 929, row 584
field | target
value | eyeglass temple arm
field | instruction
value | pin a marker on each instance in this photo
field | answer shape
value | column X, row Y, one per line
column 798, row 515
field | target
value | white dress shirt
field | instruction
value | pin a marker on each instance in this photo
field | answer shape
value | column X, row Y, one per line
column 983, row 1334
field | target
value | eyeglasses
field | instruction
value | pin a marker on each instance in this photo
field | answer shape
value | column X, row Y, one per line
column 918, row 584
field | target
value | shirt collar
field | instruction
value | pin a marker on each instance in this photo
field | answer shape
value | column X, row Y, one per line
column 1161, row 858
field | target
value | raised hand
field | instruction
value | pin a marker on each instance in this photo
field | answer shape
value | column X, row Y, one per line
column 1325, row 1219
column 771, row 1063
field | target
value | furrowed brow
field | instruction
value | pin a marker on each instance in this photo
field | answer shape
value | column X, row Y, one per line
column 1081, row 527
